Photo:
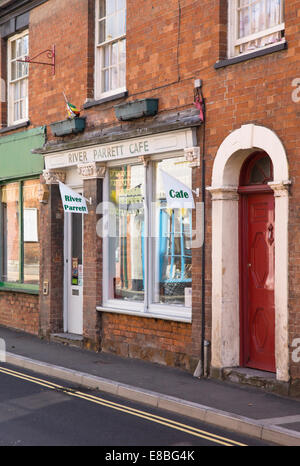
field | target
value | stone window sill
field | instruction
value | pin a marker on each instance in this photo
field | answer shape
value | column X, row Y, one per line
column 249, row 56
column 25, row 124
column 94, row 103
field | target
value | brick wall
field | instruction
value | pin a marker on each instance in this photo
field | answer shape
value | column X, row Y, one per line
column 20, row 311
column 156, row 340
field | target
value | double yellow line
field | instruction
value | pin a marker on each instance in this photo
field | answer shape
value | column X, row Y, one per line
column 126, row 409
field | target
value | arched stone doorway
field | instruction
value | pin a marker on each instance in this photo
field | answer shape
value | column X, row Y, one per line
column 257, row 261
column 226, row 343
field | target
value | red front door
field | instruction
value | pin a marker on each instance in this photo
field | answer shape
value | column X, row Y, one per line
column 258, row 313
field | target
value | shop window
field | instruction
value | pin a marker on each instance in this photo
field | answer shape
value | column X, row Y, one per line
column 18, row 71
column 148, row 251
column 126, row 239
column 254, row 24
column 19, row 239
column 110, row 75
column 172, row 278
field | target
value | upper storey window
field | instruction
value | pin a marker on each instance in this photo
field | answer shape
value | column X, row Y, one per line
column 254, row 24
column 17, row 79
column 110, row 76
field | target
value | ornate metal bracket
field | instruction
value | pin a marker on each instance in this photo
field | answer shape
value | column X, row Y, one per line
column 50, row 54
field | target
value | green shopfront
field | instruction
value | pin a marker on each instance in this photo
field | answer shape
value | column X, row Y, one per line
column 20, row 195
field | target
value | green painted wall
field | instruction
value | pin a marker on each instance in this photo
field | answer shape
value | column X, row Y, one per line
column 16, row 159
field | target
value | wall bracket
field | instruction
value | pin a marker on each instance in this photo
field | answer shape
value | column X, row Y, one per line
column 50, row 54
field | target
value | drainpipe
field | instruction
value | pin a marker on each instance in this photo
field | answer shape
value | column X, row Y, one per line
column 202, row 367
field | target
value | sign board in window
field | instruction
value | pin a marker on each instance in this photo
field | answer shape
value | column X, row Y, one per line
column 31, row 226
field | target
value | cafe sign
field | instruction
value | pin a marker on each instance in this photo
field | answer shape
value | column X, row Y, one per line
column 154, row 144
column 178, row 195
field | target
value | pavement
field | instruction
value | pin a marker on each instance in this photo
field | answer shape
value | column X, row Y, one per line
column 244, row 409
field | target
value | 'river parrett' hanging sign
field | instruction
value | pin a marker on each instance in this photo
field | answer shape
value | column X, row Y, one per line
column 72, row 201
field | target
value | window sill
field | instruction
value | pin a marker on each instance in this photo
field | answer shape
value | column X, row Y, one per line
column 149, row 315
column 14, row 127
column 93, row 103
column 251, row 55
column 19, row 289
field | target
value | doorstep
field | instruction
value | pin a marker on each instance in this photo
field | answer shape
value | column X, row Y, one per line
column 68, row 339
column 255, row 378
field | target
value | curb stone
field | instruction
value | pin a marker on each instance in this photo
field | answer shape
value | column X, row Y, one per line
column 236, row 423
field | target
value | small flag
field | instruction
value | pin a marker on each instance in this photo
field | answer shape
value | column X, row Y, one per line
column 72, row 201
column 178, row 195
column 73, row 111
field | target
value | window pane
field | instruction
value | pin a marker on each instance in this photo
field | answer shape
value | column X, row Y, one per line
column 114, row 78
column 13, row 70
column 273, row 12
column 19, row 48
column 258, row 17
column 76, row 249
column 172, row 274
column 121, row 23
column 122, row 51
column 122, row 76
column 121, row 4
column 13, row 49
column 110, row 7
column 114, row 53
column 16, row 111
column 105, row 81
column 31, row 231
column 10, row 235
column 244, row 23
column 16, row 88
column 102, row 8
column 102, row 31
column 110, row 28
column 106, row 56
column 24, row 84
column 126, row 239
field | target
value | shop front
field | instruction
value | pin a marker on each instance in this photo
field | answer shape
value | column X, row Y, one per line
column 20, row 195
column 127, row 265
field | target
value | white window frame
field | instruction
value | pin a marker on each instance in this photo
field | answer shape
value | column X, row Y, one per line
column 147, row 308
column 99, row 52
column 10, row 91
column 234, row 41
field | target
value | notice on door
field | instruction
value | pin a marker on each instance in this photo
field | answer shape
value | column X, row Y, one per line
column 75, row 273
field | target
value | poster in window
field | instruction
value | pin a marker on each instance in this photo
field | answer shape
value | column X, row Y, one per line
column 31, row 226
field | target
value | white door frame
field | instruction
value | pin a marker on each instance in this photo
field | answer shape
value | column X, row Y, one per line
column 225, row 240
column 67, row 255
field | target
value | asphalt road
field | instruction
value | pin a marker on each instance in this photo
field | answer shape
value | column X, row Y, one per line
column 40, row 411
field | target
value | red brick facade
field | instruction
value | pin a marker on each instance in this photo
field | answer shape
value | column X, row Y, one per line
column 169, row 45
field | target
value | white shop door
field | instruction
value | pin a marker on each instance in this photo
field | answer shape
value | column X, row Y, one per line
column 74, row 273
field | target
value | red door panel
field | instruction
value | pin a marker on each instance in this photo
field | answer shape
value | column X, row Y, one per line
column 259, row 312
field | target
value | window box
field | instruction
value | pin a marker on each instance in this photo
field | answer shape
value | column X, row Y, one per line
column 69, row 126
column 136, row 109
